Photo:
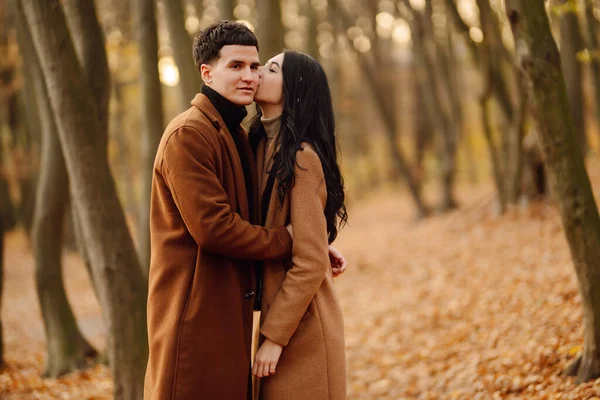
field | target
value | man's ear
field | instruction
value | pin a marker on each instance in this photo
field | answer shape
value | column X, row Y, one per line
column 206, row 73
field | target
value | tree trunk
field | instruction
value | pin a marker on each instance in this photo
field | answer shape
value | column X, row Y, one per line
column 541, row 62
column 88, row 38
column 571, row 43
column 269, row 29
column 514, row 161
column 152, row 116
column 189, row 78
column 437, row 96
column 592, row 33
column 226, row 8
column 497, row 171
column 312, row 45
column 116, row 269
column 421, row 125
column 67, row 349
column 5, row 214
column 444, row 61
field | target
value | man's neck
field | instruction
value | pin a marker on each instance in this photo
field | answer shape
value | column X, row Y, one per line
column 231, row 113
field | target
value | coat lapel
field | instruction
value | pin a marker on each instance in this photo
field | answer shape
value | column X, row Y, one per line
column 208, row 109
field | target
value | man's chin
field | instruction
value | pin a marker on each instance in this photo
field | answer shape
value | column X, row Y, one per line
column 243, row 100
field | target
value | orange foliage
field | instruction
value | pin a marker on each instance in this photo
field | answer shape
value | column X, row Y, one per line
column 461, row 306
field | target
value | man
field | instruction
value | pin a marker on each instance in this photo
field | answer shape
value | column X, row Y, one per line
column 202, row 284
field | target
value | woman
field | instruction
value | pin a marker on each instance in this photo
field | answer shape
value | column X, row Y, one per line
column 302, row 334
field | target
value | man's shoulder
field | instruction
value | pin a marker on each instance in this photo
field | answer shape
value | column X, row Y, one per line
column 191, row 129
column 191, row 121
column 192, row 118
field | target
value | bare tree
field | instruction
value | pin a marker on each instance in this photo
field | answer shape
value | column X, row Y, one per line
column 118, row 275
column 67, row 349
column 541, row 62
column 189, row 78
column 571, row 43
column 5, row 217
column 152, row 115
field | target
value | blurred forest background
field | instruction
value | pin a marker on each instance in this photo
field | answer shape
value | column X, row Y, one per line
column 454, row 152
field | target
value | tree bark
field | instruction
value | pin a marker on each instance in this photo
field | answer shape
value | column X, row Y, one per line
column 571, row 43
column 4, row 216
column 88, row 38
column 152, row 115
column 541, row 62
column 592, row 33
column 516, row 134
column 67, row 349
column 269, row 29
column 116, row 269
column 189, row 78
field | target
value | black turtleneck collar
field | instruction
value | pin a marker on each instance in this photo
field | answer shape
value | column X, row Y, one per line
column 232, row 113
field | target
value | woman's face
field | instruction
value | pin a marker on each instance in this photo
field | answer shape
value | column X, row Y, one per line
column 270, row 86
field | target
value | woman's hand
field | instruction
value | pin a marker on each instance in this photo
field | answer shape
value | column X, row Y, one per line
column 338, row 262
column 266, row 359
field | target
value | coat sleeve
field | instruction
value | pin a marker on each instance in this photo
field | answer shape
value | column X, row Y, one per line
column 310, row 259
column 190, row 171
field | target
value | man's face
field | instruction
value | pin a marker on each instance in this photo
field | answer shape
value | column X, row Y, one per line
column 234, row 75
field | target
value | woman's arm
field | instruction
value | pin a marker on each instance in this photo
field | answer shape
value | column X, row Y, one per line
column 310, row 250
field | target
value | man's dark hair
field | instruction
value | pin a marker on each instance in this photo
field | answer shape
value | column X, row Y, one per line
column 209, row 42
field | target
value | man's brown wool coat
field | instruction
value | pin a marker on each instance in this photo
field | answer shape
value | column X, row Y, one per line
column 201, row 280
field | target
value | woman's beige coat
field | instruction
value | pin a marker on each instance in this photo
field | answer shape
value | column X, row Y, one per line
column 300, row 310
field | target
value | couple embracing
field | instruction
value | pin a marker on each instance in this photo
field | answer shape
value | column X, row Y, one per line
column 243, row 222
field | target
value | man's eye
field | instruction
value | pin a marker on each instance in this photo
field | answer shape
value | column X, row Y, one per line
column 235, row 66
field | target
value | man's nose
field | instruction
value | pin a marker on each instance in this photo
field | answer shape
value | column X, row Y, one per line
column 249, row 74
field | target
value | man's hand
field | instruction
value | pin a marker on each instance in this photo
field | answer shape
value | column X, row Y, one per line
column 266, row 359
column 338, row 262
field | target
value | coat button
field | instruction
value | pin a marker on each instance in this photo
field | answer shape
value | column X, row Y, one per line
column 249, row 294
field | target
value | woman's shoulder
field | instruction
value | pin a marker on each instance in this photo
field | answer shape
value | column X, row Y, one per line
column 308, row 160
column 307, row 153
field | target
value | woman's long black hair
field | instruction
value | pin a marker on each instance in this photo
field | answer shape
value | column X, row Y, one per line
column 307, row 117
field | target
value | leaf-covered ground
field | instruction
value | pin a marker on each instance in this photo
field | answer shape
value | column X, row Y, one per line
column 460, row 306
